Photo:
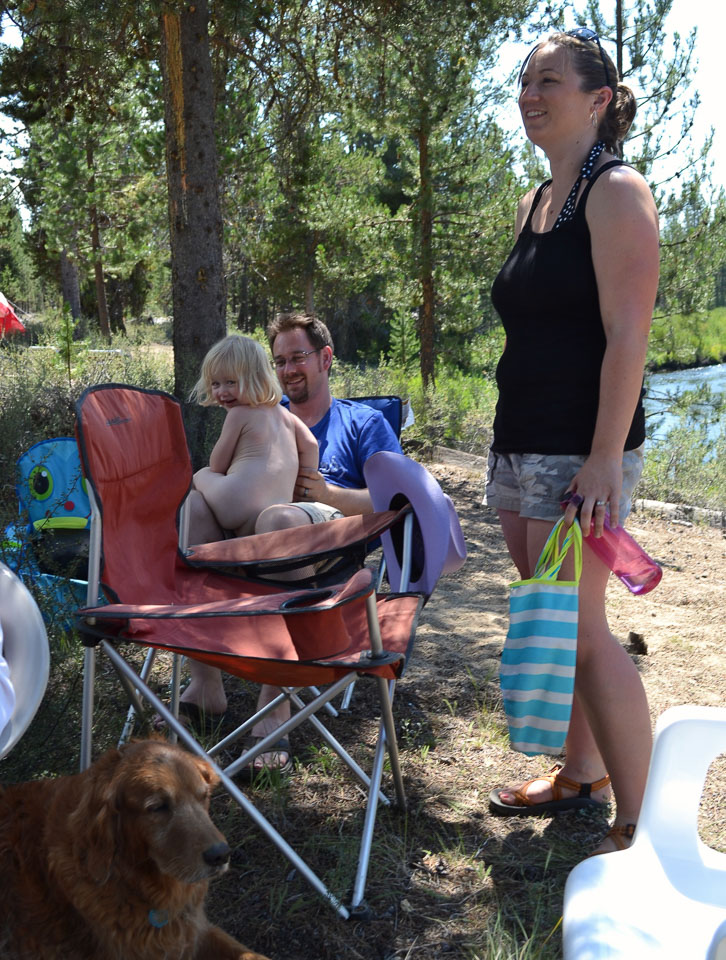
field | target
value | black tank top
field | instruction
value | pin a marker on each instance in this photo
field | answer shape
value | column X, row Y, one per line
column 549, row 374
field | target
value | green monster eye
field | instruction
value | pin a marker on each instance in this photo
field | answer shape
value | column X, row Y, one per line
column 40, row 482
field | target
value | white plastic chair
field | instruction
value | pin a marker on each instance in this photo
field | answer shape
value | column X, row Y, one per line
column 665, row 896
column 25, row 648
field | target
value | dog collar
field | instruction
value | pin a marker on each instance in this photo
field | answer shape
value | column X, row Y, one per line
column 158, row 918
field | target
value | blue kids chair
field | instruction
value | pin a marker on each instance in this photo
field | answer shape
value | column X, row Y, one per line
column 48, row 547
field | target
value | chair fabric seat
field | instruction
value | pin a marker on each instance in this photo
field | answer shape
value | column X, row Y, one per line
column 251, row 638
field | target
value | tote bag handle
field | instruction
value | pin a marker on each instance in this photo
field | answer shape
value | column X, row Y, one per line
column 553, row 553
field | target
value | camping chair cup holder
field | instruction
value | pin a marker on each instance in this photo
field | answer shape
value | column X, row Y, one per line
column 132, row 445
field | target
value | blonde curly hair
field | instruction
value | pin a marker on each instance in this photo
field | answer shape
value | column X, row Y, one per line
column 242, row 359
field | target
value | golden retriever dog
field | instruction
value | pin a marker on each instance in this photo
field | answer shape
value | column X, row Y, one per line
column 114, row 863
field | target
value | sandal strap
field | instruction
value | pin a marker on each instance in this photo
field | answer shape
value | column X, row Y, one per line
column 556, row 781
column 582, row 789
column 521, row 794
column 620, row 834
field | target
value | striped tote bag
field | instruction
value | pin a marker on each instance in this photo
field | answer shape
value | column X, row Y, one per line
column 537, row 671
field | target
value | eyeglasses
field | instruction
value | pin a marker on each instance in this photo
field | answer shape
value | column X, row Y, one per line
column 585, row 33
column 298, row 359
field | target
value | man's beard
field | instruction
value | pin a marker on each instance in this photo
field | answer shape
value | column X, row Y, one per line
column 299, row 392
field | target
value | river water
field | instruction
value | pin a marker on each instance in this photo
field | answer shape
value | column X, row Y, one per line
column 659, row 386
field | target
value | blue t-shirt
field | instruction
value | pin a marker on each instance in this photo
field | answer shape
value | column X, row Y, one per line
column 347, row 435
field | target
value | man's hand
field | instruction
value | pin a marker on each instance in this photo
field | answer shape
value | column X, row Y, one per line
column 311, row 486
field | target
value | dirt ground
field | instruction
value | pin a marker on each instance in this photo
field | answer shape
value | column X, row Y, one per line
column 463, row 883
column 447, row 879
column 679, row 626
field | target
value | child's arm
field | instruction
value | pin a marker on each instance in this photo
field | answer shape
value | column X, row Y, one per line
column 307, row 446
column 221, row 455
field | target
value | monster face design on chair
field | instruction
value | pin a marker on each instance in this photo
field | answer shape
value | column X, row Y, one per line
column 51, row 488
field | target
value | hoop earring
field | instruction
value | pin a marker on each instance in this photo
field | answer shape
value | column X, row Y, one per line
column 594, row 119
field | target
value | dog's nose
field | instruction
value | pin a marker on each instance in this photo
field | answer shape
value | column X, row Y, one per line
column 216, row 855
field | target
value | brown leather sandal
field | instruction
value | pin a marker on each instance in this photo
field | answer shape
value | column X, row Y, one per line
column 527, row 808
column 621, row 837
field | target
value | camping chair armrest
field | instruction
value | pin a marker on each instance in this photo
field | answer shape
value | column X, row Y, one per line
column 294, row 547
column 287, row 603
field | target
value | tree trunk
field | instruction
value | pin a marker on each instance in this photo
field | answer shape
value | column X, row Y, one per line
column 619, row 36
column 309, row 278
column 96, row 247
column 70, row 288
column 426, row 257
column 116, row 304
column 195, row 222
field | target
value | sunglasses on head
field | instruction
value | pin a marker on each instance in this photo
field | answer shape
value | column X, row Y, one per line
column 585, row 33
column 579, row 33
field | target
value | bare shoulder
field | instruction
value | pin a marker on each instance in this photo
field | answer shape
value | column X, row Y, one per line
column 523, row 208
column 239, row 415
column 621, row 192
column 526, row 201
column 283, row 412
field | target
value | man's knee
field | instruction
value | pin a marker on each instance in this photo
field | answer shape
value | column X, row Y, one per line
column 280, row 516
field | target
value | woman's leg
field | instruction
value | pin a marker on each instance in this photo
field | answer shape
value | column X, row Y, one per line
column 612, row 696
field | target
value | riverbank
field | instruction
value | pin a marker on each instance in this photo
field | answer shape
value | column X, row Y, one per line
column 696, row 363
column 684, row 340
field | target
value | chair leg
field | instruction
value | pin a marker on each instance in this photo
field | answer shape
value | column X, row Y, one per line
column 89, row 680
column 338, row 747
column 176, row 666
column 285, row 728
column 237, row 795
column 386, row 692
column 133, row 710
column 329, row 708
column 386, row 738
column 348, row 695
column 245, row 727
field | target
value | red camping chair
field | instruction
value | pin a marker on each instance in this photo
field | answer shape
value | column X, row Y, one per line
column 137, row 465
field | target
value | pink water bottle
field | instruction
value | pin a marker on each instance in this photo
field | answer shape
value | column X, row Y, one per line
column 623, row 555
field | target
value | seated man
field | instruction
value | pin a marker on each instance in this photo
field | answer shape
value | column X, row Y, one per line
column 347, row 434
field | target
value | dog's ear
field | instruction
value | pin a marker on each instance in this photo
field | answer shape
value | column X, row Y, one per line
column 208, row 774
column 94, row 823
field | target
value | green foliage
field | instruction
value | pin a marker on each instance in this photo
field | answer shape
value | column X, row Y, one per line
column 39, row 388
column 459, row 412
column 660, row 66
column 689, row 465
column 690, row 340
column 676, row 471
column 404, row 344
column 17, row 274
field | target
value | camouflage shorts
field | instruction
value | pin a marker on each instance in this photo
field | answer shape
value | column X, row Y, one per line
column 318, row 512
column 533, row 484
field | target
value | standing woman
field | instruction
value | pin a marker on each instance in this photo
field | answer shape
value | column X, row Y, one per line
column 576, row 298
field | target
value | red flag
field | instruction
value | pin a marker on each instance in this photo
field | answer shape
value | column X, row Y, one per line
column 9, row 323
